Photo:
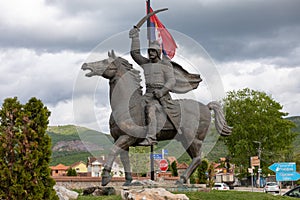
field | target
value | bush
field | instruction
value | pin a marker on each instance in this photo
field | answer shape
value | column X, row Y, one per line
column 201, row 172
column 174, row 168
column 71, row 172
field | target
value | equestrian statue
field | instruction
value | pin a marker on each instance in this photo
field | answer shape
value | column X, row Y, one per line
column 139, row 119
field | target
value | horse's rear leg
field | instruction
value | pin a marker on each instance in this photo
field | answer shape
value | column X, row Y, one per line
column 121, row 145
column 126, row 163
column 194, row 151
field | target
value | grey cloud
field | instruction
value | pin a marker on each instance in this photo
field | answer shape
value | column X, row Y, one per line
column 225, row 29
column 49, row 89
column 230, row 31
column 48, row 77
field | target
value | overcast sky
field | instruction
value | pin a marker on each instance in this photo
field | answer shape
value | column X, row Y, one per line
column 43, row 44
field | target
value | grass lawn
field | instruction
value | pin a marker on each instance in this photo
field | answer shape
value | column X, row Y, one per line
column 236, row 195
column 112, row 197
column 213, row 195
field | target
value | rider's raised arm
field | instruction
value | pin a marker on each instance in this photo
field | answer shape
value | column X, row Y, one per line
column 135, row 51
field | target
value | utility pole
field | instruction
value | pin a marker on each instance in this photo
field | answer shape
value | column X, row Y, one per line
column 259, row 157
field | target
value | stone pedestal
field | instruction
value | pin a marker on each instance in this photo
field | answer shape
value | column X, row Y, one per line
column 151, row 194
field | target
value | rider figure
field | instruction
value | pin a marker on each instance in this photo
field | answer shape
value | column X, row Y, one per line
column 159, row 78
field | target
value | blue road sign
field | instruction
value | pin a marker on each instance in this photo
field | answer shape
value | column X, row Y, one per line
column 166, row 152
column 283, row 167
column 287, row 176
column 157, row 156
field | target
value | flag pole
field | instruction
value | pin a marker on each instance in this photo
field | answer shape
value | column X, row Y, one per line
column 148, row 22
column 151, row 147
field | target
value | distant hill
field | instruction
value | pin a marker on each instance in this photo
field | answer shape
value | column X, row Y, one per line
column 73, row 143
column 296, row 143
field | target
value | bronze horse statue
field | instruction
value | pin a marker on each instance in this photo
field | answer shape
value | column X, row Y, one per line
column 128, row 124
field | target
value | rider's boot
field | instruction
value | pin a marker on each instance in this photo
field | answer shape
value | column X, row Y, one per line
column 151, row 136
column 148, row 141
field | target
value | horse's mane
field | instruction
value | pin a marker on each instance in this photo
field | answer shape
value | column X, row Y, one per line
column 135, row 74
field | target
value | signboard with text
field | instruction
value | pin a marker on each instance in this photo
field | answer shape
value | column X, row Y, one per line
column 283, row 167
column 157, row 156
column 254, row 161
column 285, row 171
column 287, row 176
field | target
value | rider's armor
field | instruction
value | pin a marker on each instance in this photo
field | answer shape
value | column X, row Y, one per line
column 158, row 75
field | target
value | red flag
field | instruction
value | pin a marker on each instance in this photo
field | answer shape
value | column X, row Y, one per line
column 167, row 41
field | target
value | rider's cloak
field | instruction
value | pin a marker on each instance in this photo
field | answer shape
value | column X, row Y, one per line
column 185, row 81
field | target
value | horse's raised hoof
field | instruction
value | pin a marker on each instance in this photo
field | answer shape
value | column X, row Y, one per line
column 106, row 179
column 127, row 183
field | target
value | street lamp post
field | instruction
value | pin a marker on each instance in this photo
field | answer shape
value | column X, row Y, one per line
column 259, row 157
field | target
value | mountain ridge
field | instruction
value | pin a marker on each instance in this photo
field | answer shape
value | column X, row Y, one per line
column 71, row 143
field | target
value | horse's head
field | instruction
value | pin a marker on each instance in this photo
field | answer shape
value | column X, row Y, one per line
column 106, row 68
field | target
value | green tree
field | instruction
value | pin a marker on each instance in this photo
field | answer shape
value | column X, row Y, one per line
column 173, row 168
column 201, row 172
column 257, row 119
column 193, row 178
column 211, row 175
column 25, row 151
column 71, row 172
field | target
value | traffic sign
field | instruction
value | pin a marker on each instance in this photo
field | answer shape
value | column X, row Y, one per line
column 285, row 171
column 283, row 167
column 165, row 151
column 259, row 170
column 250, row 170
column 163, row 165
column 254, row 161
column 157, row 156
column 287, row 176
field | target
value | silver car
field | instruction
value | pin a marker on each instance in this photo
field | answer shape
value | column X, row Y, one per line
column 271, row 187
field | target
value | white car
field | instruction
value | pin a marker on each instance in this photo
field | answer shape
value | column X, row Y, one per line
column 271, row 187
column 220, row 186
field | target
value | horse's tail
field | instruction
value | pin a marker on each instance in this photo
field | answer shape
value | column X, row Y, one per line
column 220, row 122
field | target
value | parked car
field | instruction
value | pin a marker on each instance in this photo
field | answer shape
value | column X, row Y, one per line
column 271, row 187
column 295, row 192
column 220, row 186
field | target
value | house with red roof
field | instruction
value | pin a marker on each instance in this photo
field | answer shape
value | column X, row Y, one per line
column 59, row 170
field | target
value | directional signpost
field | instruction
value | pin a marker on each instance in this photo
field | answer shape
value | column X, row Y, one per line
column 157, row 156
column 285, row 171
column 164, row 152
column 283, row 167
column 287, row 176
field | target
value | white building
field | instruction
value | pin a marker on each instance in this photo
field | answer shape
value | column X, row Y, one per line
column 95, row 167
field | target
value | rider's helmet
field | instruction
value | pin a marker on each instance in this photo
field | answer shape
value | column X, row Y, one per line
column 156, row 46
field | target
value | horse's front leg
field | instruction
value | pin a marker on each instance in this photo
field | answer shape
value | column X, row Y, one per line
column 126, row 163
column 120, row 145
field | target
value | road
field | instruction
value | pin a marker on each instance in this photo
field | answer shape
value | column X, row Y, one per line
column 249, row 189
